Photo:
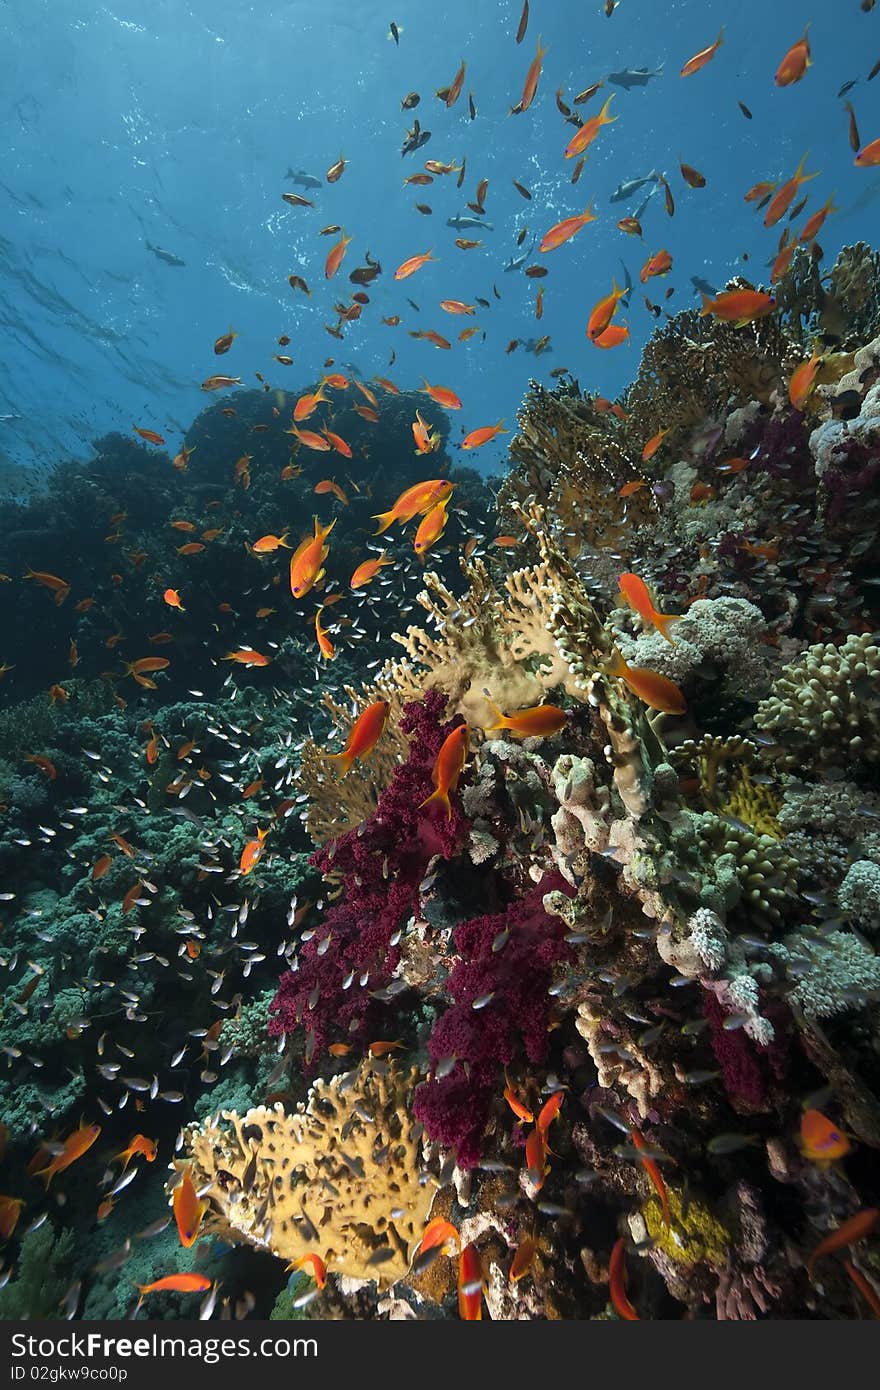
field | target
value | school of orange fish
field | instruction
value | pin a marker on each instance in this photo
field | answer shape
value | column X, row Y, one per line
column 428, row 504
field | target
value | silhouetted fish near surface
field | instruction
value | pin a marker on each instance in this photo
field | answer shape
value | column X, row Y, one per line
column 167, row 256
column 634, row 77
column 626, row 190
column 302, row 179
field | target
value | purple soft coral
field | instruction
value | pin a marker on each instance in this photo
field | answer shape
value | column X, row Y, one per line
column 741, row 1073
column 507, row 960
column 381, row 864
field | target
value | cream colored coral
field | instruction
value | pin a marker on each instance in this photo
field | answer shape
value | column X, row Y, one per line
column 630, row 1068
column 339, row 1177
column 827, row 703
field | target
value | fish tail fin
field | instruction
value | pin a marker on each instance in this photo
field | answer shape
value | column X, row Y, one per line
column 47, row 1174
column 501, row 719
column 344, row 759
column 663, row 620
column 707, row 305
column 499, row 428
column 439, row 795
column 720, row 39
column 386, row 518
column 617, row 666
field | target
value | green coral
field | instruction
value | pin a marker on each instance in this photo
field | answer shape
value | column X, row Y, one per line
column 42, row 1278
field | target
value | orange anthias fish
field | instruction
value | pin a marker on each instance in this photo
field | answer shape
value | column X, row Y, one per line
column 523, row 1259
column 339, row 444
column 603, row 312
column 327, row 485
column 541, row 721
column 653, row 689
column 456, row 306
column 75, row 1145
column 58, row 587
column 172, row 598
column 795, row 62
column 426, row 441
column 470, row 1284
column 442, row 395
column 312, row 440
column 181, row 460
column 177, row 1283
column 617, row 1283
column 589, row 130
column 635, row 591
column 246, row 656
column 414, row 263
column 188, row 1210
column 140, row 1144
column 653, row 444
column 334, row 257
column 267, row 545
column 438, row 1232
column 530, row 85
column 448, row 768
column 803, row 379
column 365, row 733
column 416, row 500
column 317, row 1265
column 658, row 264
column 43, row 763
column 759, row 191
column 307, row 561
column 368, row 569
column 654, row 1174
column 307, row 404
column 783, row 199
column 820, row 1140
column 614, row 335
column 217, row 382
column 847, row 1233
column 813, row 225
column 563, row 231
column 548, row 1113
column 430, row 528
column 787, row 248
column 326, row 647
column 704, row 56
column 738, row 306
column 520, row 1110
column 149, row 435
column 483, row 435
column 10, row 1211
column 869, row 156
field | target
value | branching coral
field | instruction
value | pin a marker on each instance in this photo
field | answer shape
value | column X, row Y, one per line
column 487, row 640
column 339, row 1177
column 826, row 704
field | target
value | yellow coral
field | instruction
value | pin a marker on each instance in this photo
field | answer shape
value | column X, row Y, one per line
column 340, row 1177
column 695, row 1235
column 757, row 806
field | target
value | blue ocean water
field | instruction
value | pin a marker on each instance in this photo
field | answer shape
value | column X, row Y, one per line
column 176, row 124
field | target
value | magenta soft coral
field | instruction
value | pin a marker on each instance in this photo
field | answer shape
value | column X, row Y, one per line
column 741, row 1073
column 381, row 864
column 455, row 1108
